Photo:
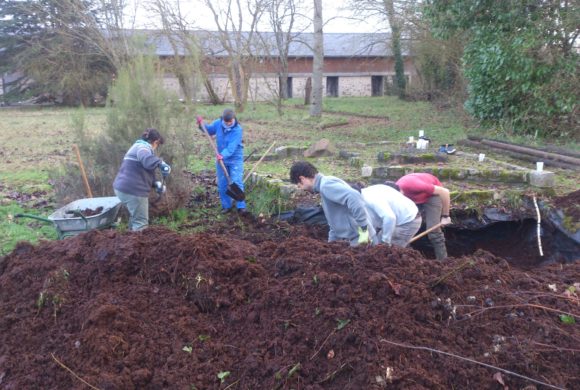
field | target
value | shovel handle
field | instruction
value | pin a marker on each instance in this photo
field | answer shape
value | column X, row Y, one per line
column 213, row 145
column 425, row 232
column 83, row 173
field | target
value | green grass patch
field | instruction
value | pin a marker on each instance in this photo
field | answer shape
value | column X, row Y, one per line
column 27, row 181
column 14, row 230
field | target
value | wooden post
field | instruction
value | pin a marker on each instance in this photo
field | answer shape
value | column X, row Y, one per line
column 83, row 173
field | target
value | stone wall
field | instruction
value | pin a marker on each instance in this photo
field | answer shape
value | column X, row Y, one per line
column 354, row 86
column 262, row 87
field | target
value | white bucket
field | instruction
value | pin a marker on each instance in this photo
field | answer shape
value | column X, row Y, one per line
column 366, row 171
column 421, row 133
column 481, row 157
column 540, row 166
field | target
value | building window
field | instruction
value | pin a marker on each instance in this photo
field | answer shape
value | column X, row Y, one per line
column 377, row 86
column 332, row 86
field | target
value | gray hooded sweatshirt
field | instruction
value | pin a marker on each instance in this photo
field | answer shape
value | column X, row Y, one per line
column 344, row 209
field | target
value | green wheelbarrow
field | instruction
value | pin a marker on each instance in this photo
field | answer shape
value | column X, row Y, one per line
column 82, row 215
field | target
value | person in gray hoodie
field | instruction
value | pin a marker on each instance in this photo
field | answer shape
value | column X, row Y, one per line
column 343, row 206
column 136, row 177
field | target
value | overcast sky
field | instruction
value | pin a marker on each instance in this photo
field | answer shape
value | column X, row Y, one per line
column 337, row 17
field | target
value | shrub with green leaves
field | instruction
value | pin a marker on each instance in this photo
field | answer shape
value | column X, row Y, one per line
column 519, row 60
column 137, row 101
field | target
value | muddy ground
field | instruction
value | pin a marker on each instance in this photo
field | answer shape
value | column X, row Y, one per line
column 265, row 305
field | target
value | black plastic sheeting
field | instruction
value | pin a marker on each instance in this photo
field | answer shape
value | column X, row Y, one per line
column 496, row 231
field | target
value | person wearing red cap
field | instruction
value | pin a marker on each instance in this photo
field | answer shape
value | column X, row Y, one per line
column 433, row 201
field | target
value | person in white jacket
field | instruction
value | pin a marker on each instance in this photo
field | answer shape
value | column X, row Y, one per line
column 393, row 213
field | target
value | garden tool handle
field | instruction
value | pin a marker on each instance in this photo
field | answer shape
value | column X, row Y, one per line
column 259, row 161
column 216, row 152
column 83, row 173
column 425, row 232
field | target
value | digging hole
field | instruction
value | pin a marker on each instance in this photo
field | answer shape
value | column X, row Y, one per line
column 515, row 241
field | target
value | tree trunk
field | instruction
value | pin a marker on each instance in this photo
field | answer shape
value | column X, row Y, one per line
column 401, row 82
column 283, row 80
column 318, row 61
column 213, row 96
column 308, row 91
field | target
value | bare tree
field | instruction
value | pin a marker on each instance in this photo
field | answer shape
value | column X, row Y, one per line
column 318, row 61
column 187, row 62
column 396, row 46
column 237, row 43
column 403, row 18
column 275, row 47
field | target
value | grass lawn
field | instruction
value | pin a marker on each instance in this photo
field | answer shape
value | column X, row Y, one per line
column 37, row 141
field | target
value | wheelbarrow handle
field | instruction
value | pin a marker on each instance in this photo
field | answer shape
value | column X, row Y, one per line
column 20, row 215
column 78, row 214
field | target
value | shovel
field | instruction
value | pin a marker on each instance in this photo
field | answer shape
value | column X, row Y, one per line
column 233, row 190
column 425, row 232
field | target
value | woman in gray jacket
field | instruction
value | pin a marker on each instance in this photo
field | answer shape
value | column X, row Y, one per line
column 136, row 177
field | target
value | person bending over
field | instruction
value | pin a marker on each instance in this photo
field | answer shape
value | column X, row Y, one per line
column 136, row 177
column 433, row 201
column 396, row 215
column 343, row 206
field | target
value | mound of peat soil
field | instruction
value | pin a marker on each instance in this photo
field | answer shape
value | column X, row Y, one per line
column 160, row 310
column 571, row 204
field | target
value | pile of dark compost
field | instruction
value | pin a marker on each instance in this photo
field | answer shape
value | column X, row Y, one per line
column 570, row 203
column 266, row 306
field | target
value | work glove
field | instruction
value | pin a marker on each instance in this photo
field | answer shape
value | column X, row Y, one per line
column 165, row 169
column 363, row 235
column 160, row 188
column 446, row 220
column 219, row 157
column 199, row 121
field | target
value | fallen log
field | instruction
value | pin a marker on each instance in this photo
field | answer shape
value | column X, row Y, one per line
column 549, row 148
column 532, row 152
column 516, row 155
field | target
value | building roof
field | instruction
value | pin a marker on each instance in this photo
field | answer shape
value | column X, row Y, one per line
column 335, row 44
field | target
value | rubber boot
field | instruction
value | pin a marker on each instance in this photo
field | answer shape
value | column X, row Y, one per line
column 440, row 251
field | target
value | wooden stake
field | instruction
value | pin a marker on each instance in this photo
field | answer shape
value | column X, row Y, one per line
column 83, row 173
column 259, row 161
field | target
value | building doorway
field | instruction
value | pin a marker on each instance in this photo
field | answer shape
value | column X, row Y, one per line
column 377, row 86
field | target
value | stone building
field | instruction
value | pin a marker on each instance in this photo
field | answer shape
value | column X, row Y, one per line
column 355, row 64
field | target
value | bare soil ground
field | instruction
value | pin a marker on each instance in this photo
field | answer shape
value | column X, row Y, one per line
column 276, row 307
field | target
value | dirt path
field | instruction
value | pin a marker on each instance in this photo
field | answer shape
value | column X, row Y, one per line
column 275, row 307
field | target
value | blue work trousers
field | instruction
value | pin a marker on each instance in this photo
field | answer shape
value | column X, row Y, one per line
column 236, row 172
column 138, row 207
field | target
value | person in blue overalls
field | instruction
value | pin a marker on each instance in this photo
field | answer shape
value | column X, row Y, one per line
column 228, row 133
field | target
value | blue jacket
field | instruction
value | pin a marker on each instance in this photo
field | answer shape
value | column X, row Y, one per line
column 229, row 140
column 137, row 172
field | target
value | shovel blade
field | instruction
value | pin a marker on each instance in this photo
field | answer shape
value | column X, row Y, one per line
column 234, row 191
